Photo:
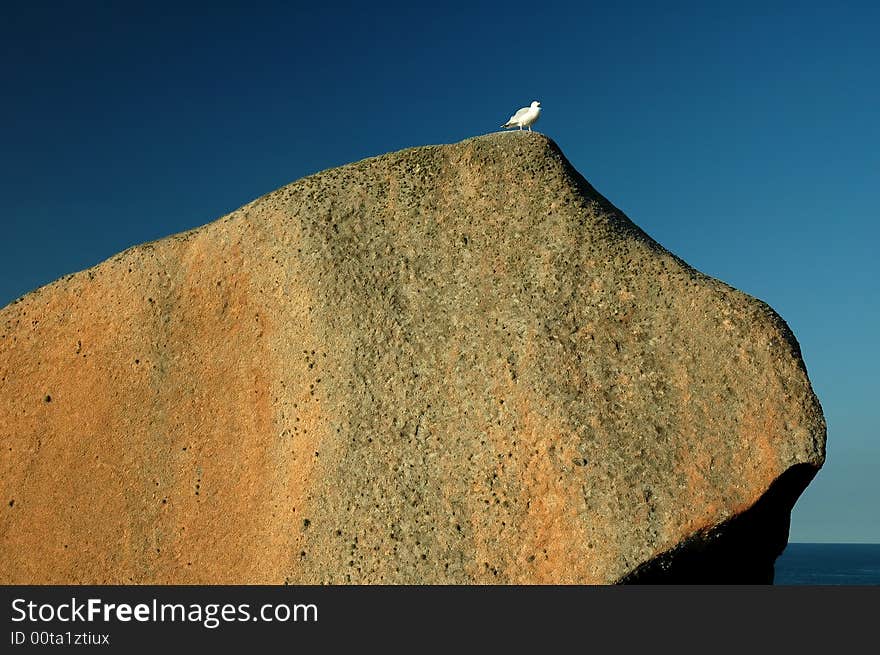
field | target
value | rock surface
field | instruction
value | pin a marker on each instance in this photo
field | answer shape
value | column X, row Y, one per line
column 449, row 364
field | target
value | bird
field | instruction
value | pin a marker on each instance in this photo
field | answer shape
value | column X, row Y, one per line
column 525, row 117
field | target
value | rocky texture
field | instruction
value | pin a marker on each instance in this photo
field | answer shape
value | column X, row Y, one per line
column 450, row 364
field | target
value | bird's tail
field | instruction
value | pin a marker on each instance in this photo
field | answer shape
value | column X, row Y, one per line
column 508, row 124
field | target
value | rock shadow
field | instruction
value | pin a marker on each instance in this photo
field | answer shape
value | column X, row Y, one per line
column 742, row 550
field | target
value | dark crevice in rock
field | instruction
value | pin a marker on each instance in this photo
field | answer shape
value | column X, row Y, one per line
column 742, row 550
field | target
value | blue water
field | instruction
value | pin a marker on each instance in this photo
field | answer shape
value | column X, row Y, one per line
column 829, row 564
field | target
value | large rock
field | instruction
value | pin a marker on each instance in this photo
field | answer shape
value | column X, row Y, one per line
column 449, row 364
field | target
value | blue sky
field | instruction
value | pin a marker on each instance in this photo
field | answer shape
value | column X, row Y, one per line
column 742, row 137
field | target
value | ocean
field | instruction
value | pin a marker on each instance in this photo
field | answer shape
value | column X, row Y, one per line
column 829, row 564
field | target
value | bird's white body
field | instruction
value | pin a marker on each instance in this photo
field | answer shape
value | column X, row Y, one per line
column 525, row 117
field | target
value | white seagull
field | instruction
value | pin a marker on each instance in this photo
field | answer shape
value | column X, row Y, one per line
column 525, row 116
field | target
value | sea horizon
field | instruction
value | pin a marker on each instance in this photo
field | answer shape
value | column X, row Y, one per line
column 817, row 563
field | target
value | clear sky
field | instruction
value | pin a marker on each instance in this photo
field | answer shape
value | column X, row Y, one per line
column 742, row 136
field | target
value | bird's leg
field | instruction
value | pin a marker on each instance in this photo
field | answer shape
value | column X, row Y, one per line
column 530, row 128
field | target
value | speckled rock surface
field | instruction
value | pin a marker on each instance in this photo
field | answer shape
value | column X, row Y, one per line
column 449, row 364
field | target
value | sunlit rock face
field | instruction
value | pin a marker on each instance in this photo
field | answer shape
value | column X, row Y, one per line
column 449, row 364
